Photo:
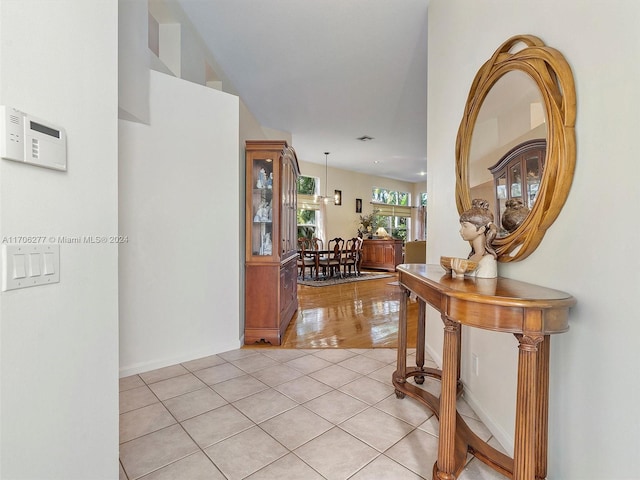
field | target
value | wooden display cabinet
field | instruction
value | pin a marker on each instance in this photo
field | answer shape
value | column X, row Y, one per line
column 517, row 175
column 382, row 254
column 271, row 289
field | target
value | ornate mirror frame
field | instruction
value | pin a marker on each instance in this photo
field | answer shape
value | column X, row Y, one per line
column 553, row 76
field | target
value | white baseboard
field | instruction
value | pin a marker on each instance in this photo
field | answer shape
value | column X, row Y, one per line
column 434, row 355
column 167, row 362
column 504, row 438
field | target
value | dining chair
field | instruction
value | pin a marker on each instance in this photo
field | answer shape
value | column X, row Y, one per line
column 332, row 261
column 305, row 260
column 360, row 256
column 317, row 253
column 317, row 244
column 350, row 257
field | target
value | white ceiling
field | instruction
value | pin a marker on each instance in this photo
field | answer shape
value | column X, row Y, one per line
column 329, row 71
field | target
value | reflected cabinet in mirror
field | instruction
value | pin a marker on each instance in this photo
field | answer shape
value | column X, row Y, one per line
column 516, row 183
column 516, row 142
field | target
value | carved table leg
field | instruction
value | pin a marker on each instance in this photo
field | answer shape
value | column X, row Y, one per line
column 420, row 339
column 446, row 467
column 459, row 352
column 527, row 408
column 400, row 373
column 542, row 408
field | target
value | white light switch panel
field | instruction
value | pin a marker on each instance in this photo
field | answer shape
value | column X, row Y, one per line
column 29, row 265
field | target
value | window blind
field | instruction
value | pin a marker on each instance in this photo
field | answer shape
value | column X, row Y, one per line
column 306, row 202
column 385, row 210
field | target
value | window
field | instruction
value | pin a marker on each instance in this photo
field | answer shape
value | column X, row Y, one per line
column 393, row 210
column 308, row 209
column 419, row 230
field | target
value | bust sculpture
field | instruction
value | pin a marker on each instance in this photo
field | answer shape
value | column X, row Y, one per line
column 477, row 227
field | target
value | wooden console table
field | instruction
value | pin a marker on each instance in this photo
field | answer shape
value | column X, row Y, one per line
column 530, row 312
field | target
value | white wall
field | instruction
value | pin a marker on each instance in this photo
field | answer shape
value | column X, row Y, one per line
column 59, row 343
column 189, row 57
column 589, row 252
column 179, row 207
column 133, row 60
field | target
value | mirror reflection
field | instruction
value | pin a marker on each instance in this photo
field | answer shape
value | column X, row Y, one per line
column 521, row 99
column 507, row 150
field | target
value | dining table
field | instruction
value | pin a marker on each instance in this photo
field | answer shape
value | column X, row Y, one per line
column 318, row 255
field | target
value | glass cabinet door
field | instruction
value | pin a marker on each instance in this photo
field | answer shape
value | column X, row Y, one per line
column 517, row 176
column 533, row 165
column 288, row 220
column 501, row 195
column 515, row 179
column 262, row 207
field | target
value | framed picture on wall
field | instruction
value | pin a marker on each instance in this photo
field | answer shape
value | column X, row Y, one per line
column 358, row 205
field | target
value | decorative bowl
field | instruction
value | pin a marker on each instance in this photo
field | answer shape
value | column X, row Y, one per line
column 465, row 265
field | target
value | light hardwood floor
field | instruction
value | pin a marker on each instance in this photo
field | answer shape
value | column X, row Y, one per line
column 360, row 314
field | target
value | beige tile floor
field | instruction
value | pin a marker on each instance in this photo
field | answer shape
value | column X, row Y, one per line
column 281, row 414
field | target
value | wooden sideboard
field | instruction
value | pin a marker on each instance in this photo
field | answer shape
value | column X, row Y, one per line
column 531, row 313
column 382, row 254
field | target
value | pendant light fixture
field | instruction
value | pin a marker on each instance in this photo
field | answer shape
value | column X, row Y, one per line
column 326, row 176
column 324, row 198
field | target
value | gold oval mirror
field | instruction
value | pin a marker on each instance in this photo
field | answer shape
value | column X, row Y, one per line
column 516, row 141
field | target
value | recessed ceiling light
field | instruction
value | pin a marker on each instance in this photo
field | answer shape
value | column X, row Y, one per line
column 376, row 161
column 365, row 138
column 422, row 174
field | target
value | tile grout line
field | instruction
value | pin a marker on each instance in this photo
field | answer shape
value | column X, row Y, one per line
column 360, row 354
